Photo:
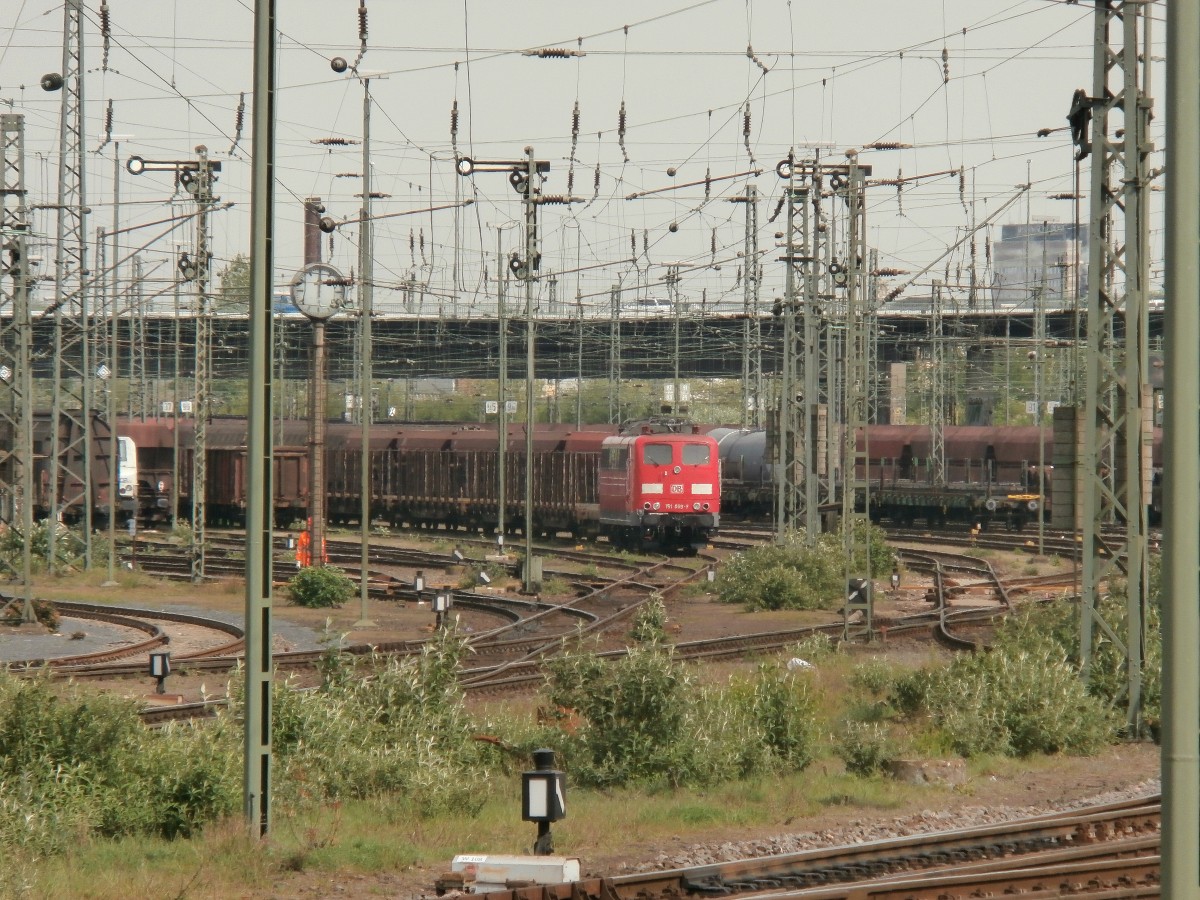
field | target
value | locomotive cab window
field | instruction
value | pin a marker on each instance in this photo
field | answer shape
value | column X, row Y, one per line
column 656, row 454
column 695, row 454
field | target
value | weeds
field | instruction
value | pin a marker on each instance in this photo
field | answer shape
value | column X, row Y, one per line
column 650, row 622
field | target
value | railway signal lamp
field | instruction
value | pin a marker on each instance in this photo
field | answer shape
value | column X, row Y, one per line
column 441, row 605
column 858, row 593
column 543, row 798
column 160, row 668
column 458, row 555
column 419, row 584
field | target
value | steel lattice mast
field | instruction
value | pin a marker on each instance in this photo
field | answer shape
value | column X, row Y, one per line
column 856, row 481
column 16, row 375
column 70, row 441
column 201, row 187
column 1116, row 440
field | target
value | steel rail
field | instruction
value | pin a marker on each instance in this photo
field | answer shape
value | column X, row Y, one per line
column 858, row 862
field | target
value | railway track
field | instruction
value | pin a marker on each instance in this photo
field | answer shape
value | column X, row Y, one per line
column 510, row 654
column 1109, row 851
column 138, row 620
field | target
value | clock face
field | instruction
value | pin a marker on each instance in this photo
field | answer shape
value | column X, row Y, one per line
column 319, row 290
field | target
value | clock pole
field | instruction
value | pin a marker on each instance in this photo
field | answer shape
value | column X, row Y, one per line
column 319, row 291
column 316, row 448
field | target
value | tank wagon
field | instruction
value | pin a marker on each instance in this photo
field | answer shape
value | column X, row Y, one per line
column 989, row 478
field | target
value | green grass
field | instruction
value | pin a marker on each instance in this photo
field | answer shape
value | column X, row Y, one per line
column 379, row 836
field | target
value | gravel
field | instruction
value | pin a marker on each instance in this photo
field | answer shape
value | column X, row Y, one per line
column 864, row 830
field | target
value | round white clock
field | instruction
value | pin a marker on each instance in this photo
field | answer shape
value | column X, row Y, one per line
column 319, row 291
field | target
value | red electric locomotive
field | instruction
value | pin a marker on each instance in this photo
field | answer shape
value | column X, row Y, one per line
column 646, row 490
column 662, row 489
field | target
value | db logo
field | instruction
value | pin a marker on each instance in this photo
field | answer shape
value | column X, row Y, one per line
column 677, row 489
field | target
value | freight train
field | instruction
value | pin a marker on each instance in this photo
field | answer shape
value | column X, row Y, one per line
column 62, row 487
column 989, row 477
column 648, row 486
column 586, row 482
column 993, row 476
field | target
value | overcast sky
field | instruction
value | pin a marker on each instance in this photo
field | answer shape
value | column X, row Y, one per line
column 967, row 83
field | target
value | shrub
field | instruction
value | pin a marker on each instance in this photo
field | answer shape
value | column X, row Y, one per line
column 378, row 726
column 319, row 587
column 1017, row 703
column 864, row 747
column 794, row 575
column 873, row 678
column 68, row 546
column 76, row 764
column 1054, row 627
column 909, row 691
column 643, row 719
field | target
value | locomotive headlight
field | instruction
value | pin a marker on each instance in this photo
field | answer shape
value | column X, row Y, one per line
column 657, row 505
column 696, row 506
column 677, row 470
column 705, row 507
column 646, row 505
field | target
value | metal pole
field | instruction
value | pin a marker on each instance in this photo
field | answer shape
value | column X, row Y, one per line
column 316, row 447
column 16, row 500
column 816, row 356
column 673, row 287
column 502, row 390
column 783, row 449
column 614, row 356
column 175, row 409
column 1115, row 445
column 579, row 309
column 1181, row 450
column 1039, row 389
column 531, row 583
column 113, row 448
column 113, row 485
column 367, row 302
column 24, row 321
column 203, row 379
column 260, row 512
column 71, row 414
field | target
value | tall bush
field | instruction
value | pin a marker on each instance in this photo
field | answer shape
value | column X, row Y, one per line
column 644, row 719
column 77, row 764
column 1054, row 627
column 320, row 587
column 381, row 725
column 794, row 575
column 1017, row 702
